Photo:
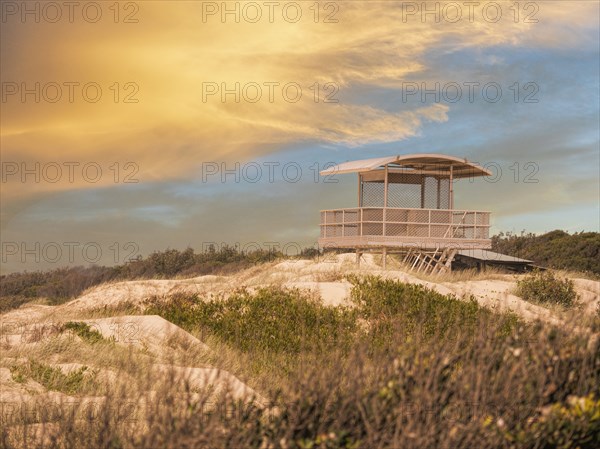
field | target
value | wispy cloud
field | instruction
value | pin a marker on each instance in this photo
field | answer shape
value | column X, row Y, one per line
column 171, row 53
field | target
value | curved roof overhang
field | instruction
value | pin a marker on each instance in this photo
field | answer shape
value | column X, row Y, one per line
column 426, row 163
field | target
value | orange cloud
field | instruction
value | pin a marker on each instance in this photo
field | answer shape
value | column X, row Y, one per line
column 165, row 60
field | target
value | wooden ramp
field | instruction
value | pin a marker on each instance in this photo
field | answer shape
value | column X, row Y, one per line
column 427, row 262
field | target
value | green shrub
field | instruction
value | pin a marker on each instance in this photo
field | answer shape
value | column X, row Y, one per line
column 450, row 374
column 579, row 251
column 62, row 284
column 271, row 319
column 411, row 310
column 53, row 378
column 84, row 331
column 289, row 321
column 545, row 288
column 575, row 424
column 56, row 286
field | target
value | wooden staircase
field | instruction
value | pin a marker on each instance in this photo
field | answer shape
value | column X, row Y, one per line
column 439, row 261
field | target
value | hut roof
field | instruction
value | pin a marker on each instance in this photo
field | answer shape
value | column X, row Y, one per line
column 424, row 162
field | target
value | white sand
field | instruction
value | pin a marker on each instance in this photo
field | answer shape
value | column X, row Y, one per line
column 28, row 326
column 150, row 332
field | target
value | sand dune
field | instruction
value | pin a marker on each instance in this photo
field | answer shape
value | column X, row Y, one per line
column 325, row 277
column 32, row 328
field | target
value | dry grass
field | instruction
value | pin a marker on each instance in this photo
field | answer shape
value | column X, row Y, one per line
column 394, row 263
column 421, row 370
column 572, row 274
column 119, row 309
column 334, row 275
column 453, row 393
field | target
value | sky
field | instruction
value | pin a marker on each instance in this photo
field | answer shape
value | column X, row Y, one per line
column 131, row 127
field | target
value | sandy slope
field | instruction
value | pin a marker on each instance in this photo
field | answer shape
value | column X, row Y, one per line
column 325, row 277
column 31, row 328
column 151, row 333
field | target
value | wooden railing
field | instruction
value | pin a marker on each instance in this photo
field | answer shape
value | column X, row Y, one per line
column 438, row 224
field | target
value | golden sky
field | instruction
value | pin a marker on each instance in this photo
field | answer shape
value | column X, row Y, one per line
column 166, row 58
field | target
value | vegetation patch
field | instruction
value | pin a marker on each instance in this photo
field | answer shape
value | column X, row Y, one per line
column 556, row 249
column 53, row 378
column 544, row 287
column 416, row 369
column 574, row 424
column 271, row 319
column 62, row 284
column 84, row 331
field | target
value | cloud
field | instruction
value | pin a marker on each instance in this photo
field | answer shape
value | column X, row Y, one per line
column 163, row 60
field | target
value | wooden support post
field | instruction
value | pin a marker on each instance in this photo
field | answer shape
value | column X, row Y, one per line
column 385, row 199
column 429, row 224
column 360, row 202
column 439, row 181
column 451, row 190
column 440, row 261
column 357, row 257
column 448, row 264
column 385, row 188
column 422, row 191
column 384, row 255
column 360, row 212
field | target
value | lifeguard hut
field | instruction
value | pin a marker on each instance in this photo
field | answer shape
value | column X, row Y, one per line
column 406, row 205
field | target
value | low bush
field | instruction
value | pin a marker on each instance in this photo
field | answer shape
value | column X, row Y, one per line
column 53, row 378
column 413, row 311
column 84, row 331
column 557, row 249
column 56, row 286
column 545, row 287
column 417, row 370
column 271, row 319
column 62, row 284
column 574, row 424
